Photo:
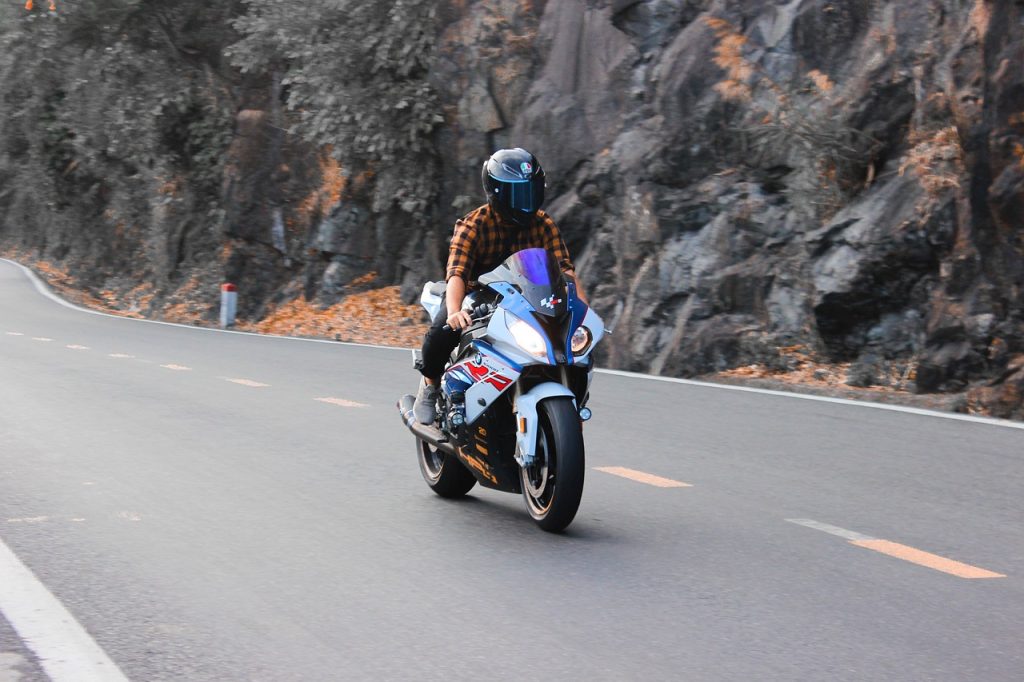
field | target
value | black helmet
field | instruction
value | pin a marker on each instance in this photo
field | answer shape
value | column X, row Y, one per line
column 514, row 183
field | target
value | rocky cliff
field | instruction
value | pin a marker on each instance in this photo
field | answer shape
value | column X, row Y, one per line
column 742, row 183
column 763, row 183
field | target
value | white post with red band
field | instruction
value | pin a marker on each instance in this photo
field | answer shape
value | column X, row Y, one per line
column 228, row 305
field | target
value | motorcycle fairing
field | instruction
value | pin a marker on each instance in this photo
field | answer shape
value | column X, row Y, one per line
column 577, row 312
column 432, row 298
column 595, row 324
column 489, row 449
column 483, row 376
column 514, row 302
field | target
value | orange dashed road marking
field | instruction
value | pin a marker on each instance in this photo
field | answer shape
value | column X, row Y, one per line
column 933, row 561
column 895, row 549
column 177, row 368
column 643, row 477
column 247, row 382
column 341, row 402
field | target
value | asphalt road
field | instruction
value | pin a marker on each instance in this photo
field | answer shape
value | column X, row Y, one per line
column 204, row 529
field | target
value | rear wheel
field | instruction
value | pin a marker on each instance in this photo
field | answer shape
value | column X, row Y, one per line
column 553, row 485
column 443, row 472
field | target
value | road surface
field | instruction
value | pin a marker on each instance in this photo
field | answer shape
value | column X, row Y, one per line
column 203, row 505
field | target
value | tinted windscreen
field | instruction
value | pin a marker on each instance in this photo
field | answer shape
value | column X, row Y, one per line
column 537, row 266
column 537, row 275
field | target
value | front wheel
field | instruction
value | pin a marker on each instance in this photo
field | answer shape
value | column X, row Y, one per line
column 443, row 472
column 553, row 485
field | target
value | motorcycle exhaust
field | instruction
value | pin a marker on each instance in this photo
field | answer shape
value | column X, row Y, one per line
column 429, row 434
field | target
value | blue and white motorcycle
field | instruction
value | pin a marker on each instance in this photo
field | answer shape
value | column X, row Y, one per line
column 514, row 395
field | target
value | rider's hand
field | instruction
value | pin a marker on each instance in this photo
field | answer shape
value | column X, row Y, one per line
column 459, row 319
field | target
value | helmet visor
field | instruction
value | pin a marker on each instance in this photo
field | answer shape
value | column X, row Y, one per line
column 525, row 197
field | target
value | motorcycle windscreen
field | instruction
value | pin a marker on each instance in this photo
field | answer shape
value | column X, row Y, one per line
column 537, row 275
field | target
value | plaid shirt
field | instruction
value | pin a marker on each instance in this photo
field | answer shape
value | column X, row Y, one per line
column 482, row 241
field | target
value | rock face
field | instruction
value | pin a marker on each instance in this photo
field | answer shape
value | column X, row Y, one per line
column 735, row 178
column 739, row 177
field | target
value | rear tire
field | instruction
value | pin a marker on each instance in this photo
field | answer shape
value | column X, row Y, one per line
column 553, row 486
column 444, row 473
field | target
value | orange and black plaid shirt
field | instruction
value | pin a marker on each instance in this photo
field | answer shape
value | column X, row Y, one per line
column 482, row 241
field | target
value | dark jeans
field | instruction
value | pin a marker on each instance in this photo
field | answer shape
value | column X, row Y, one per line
column 438, row 344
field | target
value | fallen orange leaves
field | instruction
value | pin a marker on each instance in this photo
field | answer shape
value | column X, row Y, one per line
column 377, row 316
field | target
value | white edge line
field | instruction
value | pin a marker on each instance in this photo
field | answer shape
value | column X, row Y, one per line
column 44, row 289
column 65, row 650
column 850, row 535
column 991, row 421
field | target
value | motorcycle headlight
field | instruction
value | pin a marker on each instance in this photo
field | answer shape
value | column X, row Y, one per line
column 528, row 338
column 581, row 340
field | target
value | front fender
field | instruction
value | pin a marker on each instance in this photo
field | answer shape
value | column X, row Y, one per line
column 527, row 424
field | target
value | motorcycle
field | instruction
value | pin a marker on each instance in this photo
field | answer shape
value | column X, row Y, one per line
column 513, row 397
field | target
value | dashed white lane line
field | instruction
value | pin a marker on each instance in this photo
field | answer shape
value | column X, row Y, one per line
column 341, row 402
column 904, row 552
column 41, row 338
column 65, row 650
column 850, row 535
column 15, row 334
column 247, row 382
column 75, row 346
column 643, row 477
column 177, row 368
column 120, row 356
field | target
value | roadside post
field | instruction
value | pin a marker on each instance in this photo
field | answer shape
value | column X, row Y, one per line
column 228, row 305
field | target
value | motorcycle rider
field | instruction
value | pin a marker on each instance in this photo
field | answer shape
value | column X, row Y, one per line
column 510, row 221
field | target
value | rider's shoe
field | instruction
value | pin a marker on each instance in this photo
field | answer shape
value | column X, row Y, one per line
column 425, row 409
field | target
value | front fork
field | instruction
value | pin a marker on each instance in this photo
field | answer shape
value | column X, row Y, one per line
column 527, row 420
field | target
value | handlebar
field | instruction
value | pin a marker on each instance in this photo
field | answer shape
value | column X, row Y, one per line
column 476, row 313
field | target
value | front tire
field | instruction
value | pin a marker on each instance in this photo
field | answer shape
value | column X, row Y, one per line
column 553, row 485
column 443, row 472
